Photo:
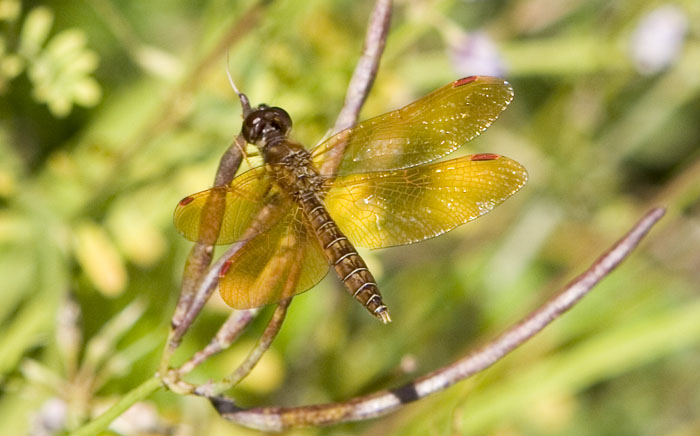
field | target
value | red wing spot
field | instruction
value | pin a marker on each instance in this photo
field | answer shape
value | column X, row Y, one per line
column 464, row 81
column 485, row 156
column 185, row 201
column 225, row 268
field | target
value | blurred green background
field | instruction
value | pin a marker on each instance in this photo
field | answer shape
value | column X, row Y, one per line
column 110, row 112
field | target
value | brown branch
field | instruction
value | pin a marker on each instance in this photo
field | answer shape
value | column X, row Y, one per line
column 358, row 89
column 384, row 402
column 291, row 264
column 198, row 281
column 362, row 78
column 201, row 254
column 360, row 84
column 227, row 335
column 210, row 279
column 264, row 343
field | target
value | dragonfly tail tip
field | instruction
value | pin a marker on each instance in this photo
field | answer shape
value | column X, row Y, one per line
column 384, row 316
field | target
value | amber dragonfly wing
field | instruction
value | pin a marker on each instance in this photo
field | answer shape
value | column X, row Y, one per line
column 220, row 215
column 282, row 261
column 421, row 132
column 387, row 208
column 284, row 258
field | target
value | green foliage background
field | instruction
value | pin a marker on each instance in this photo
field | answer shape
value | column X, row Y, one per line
column 110, row 113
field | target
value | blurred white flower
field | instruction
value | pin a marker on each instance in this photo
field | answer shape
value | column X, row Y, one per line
column 475, row 54
column 141, row 418
column 658, row 39
column 50, row 418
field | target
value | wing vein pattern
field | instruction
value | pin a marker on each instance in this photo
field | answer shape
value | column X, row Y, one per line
column 383, row 209
column 422, row 131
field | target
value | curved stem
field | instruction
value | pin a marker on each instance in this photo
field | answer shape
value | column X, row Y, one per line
column 227, row 335
column 210, row 278
column 270, row 333
column 200, row 256
column 384, row 402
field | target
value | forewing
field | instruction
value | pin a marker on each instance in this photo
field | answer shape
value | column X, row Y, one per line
column 383, row 209
column 263, row 271
column 231, row 208
column 421, row 132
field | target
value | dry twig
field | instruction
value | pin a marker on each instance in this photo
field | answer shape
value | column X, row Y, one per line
column 363, row 76
column 199, row 284
column 384, row 402
column 200, row 256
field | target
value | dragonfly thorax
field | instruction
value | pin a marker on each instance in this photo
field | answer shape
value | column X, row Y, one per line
column 291, row 167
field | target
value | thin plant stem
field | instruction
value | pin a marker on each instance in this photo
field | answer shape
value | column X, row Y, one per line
column 273, row 327
column 358, row 89
column 362, row 78
column 210, row 279
column 192, row 301
column 384, row 402
column 227, row 334
column 101, row 423
column 270, row 333
column 171, row 112
column 200, row 256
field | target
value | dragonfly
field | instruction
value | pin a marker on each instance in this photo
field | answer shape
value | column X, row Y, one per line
column 373, row 185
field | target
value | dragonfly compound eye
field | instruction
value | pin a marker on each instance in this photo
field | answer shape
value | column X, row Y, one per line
column 280, row 119
column 266, row 122
column 253, row 127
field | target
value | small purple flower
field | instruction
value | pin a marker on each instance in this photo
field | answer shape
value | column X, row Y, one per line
column 475, row 54
column 658, row 39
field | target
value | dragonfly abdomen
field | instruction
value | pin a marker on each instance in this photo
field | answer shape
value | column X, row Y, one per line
column 342, row 256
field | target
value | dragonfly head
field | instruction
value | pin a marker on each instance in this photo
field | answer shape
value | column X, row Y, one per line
column 266, row 123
